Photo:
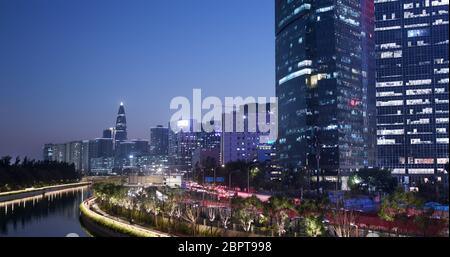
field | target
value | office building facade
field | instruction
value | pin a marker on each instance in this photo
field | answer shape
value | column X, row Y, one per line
column 412, row 78
column 159, row 140
column 319, row 85
column 182, row 144
column 101, row 147
column 247, row 145
column 368, row 81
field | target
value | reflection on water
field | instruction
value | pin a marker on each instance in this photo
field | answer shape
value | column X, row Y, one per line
column 52, row 215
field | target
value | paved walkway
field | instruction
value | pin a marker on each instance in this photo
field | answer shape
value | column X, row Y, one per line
column 92, row 206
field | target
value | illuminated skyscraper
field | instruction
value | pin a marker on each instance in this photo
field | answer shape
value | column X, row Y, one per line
column 368, row 80
column 121, row 125
column 412, row 87
column 319, row 85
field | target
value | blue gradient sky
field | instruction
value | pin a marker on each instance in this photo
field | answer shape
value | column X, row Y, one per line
column 66, row 65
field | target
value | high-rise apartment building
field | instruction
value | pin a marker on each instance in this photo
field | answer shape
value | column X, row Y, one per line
column 85, row 156
column 70, row 152
column 75, row 154
column 48, row 152
column 59, row 152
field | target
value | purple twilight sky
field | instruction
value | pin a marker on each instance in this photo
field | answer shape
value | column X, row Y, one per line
column 66, row 65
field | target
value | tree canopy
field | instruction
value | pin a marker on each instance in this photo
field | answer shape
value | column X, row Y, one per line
column 373, row 180
column 397, row 205
column 31, row 173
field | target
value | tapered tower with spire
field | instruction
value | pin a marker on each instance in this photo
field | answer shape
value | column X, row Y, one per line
column 121, row 125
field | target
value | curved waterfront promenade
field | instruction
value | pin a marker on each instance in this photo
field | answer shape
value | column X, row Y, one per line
column 107, row 225
column 31, row 192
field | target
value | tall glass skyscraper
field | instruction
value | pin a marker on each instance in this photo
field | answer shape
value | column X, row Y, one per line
column 412, row 87
column 368, row 80
column 121, row 125
column 319, row 85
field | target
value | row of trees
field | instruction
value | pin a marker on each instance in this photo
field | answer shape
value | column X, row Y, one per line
column 408, row 208
column 173, row 207
column 30, row 173
column 280, row 216
column 171, row 210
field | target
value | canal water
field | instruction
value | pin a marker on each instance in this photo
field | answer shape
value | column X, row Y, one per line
column 55, row 214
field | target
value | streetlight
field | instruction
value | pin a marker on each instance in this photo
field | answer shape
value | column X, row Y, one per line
column 223, row 166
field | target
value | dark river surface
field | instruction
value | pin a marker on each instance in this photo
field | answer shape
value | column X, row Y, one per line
column 54, row 215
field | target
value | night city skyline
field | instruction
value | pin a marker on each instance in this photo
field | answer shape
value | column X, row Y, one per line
column 240, row 121
column 75, row 64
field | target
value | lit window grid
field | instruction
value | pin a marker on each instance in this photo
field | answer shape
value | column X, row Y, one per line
column 388, row 116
